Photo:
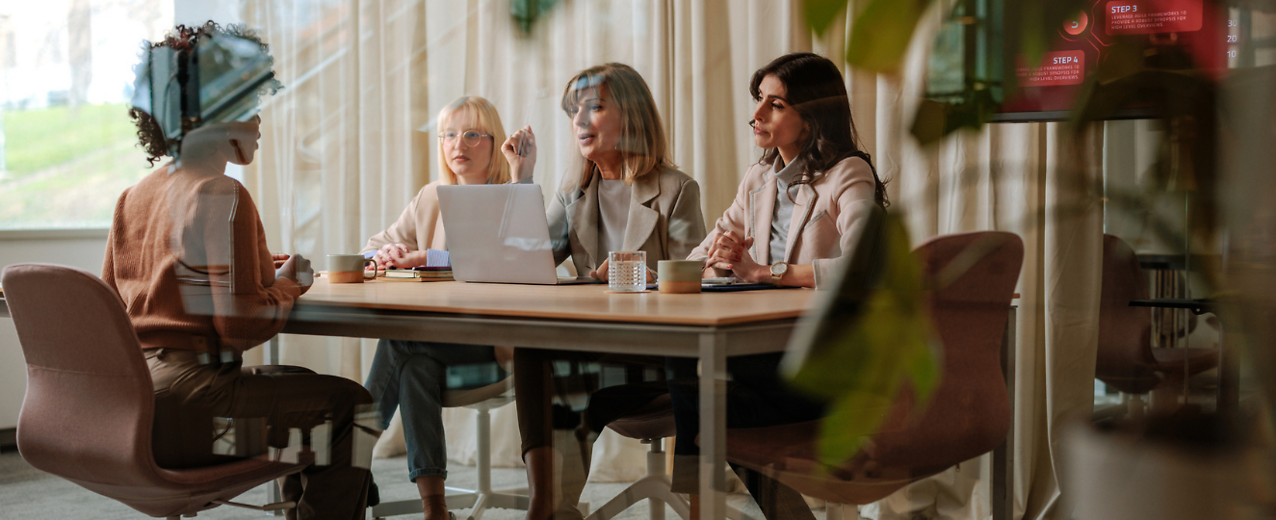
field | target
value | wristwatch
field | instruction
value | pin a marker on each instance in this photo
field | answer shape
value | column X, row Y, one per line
column 777, row 272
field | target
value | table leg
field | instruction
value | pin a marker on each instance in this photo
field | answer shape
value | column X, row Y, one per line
column 1229, row 369
column 270, row 352
column 713, row 426
column 1003, row 468
column 270, row 356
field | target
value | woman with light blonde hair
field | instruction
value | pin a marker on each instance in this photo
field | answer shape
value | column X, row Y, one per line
column 410, row 375
column 469, row 129
column 626, row 196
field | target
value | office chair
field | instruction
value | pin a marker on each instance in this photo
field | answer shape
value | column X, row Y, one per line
column 88, row 411
column 1126, row 359
column 968, row 414
column 651, row 424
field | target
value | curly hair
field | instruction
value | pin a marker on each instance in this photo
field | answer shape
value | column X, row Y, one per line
column 150, row 135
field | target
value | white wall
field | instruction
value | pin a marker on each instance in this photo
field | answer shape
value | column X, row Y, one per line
column 82, row 249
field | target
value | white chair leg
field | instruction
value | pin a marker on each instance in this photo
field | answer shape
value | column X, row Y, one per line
column 735, row 513
column 656, row 468
column 477, row 500
column 834, row 511
column 654, row 488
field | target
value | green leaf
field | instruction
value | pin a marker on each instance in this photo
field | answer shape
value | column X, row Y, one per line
column 870, row 357
column 820, row 13
column 881, row 33
column 527, row 12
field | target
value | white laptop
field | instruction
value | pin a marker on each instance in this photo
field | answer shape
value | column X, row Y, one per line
column 498, row 233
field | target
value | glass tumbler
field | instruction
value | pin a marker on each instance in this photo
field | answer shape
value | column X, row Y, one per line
column 627, row 271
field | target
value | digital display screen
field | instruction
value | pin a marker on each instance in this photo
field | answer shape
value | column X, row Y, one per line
column 1214, row 36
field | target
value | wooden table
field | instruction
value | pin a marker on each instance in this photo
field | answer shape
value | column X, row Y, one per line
column 709, row 326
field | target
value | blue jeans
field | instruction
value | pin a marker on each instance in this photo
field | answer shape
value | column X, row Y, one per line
column 411, row 376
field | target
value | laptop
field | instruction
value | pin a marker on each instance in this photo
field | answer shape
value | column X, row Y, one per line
column 498, row 234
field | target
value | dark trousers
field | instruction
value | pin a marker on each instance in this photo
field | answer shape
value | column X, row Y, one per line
column 543, row 376
column 188, row 394
column 756, row 397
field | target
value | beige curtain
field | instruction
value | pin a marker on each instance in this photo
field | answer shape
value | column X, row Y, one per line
column 343, row 151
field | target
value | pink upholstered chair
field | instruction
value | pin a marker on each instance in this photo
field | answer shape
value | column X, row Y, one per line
column 969, row 413
column 87, row 414
column 1126, row 359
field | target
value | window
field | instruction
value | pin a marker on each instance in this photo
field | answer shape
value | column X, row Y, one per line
column 67, row 145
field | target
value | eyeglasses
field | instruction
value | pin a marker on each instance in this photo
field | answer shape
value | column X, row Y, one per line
column 470, row 137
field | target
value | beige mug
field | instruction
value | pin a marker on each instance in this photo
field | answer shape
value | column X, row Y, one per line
column 350, row 269
column 679, row 276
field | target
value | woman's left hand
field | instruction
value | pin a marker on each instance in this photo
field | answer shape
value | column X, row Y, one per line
column 731, row 253
column 279, row 259
column 520, row 152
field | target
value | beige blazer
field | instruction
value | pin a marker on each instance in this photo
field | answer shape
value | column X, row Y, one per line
column 664, row 220
column 419, row 227
column 827, row 221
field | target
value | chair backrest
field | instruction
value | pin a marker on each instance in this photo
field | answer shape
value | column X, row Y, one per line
column 87, row 414
column 1125, row 333
column 973, row 278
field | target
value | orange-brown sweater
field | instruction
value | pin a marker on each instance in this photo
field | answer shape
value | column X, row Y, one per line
column 187, row 254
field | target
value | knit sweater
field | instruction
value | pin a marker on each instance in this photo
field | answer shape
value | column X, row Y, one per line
column 187, row 254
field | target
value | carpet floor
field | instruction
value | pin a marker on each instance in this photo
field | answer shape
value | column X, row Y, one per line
column 28, row 493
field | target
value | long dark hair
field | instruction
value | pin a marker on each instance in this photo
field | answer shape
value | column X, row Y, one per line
column 814, row 88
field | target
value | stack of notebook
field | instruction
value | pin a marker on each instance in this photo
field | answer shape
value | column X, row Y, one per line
column 420, row 274
column 438, row 268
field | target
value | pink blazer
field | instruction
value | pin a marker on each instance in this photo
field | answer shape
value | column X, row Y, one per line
column 827, row 221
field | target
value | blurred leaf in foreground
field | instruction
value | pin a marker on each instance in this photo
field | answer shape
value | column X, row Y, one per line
column 880, row 35
column 820, row 13
column 871, row 338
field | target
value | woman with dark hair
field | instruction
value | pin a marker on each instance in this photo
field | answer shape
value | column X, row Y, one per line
column 798, row 211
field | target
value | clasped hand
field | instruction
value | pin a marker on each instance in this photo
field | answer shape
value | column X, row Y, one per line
column 730, row 252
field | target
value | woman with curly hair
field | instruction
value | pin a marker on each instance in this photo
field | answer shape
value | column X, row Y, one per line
column 187, row 254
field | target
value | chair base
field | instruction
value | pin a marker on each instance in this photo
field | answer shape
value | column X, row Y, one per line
column 477, row 501
column 656, row 489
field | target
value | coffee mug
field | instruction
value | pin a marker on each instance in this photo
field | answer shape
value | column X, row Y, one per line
column 350, row 269
column 679, row 276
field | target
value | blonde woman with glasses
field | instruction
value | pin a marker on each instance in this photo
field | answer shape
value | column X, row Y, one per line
column 411, row 375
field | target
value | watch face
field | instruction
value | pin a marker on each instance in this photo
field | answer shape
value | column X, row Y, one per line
column 779, row 268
